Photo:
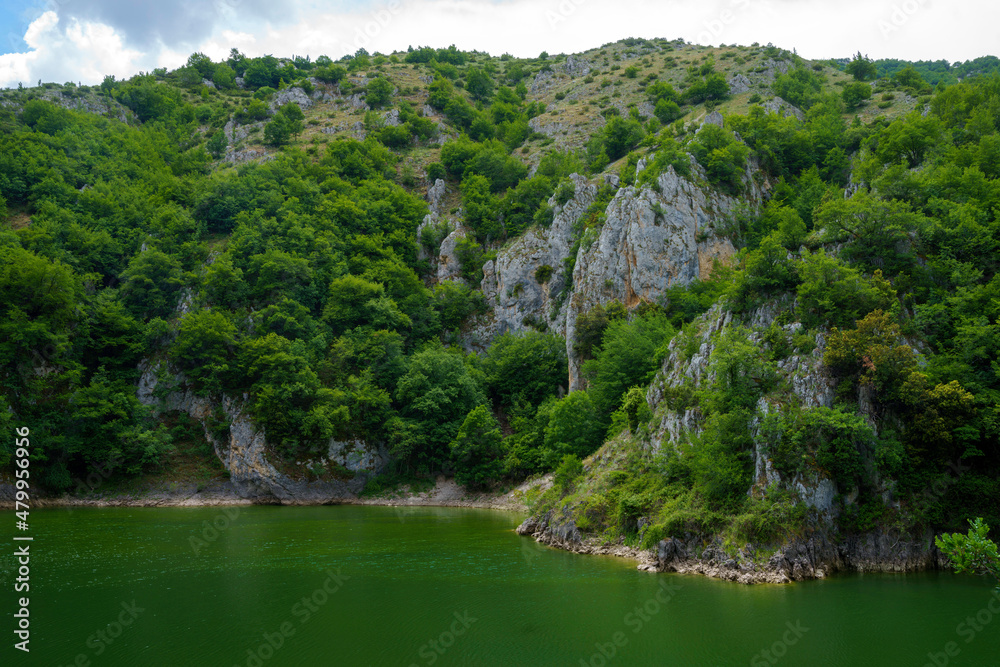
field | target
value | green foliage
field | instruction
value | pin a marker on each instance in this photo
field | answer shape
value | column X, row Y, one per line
column 618, row 137
column 287, row 123
column 151, row 284
column 378, row 92
column 710, row 87
column 574, row 427
column 861, row 68
column 722, row 156
column 876, row 232
column 470, row 258
column 253, row 110
column 526, row 368
column 831, row 441
column 629, row 354
column 565, row 192
column 766, row 271
column 670, row 153
column 633, row 413
column 855, row 94
column 974, row 552
column 435, row 396
column 479, row 84
column 667, row 111
column 833, row 293
column 330, row 73
column 543, row 274
column 297, row 281
column 204, row 347
column 480, row 206
column 871, row 354
column 567, row 473
column 475, row 451
column 800, row 86
column 217, row 144
column 590, row 327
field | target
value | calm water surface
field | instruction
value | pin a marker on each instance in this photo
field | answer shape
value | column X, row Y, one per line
column 442, row 586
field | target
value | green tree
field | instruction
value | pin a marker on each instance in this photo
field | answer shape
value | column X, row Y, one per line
column 667, row 111
column 224, row 77
column 862, row 68
column 476, row 451
column 480, row 207
column 479, row 84
column 38, row 301
column 151, row 284
column 435, row 395
column 287, row 123
column 973, row 552
column 620, row 136
column 378, row 92
column 527, row 367
column 217, row 144
column 574, row 427
column 329, row 73
column 629, row 355
column 204, row 347
column 856, row 93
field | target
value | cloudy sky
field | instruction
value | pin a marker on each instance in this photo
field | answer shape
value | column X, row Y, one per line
column 83, row 40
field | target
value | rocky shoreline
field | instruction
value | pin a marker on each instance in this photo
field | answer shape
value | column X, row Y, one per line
column 814, row 557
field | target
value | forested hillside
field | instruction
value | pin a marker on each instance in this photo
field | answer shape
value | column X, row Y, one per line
column 309, row 238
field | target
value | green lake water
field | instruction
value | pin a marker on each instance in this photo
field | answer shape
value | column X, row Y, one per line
column 347, row 585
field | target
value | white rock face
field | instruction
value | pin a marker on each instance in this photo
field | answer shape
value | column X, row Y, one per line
column 688, row 366
column 287, row 95
column 244, row 451
column 449, row 268
column 650, row 241
column 783, row 108
column 434, row 195
column 739, row 84
column 511, row 284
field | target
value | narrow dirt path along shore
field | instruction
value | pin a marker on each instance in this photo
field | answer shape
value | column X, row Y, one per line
column 445, row 493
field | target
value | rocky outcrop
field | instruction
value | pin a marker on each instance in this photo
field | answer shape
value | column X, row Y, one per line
column 72, row 98
column 434, row 195
column 525, row 281
column 575, row 66
column 688, row 366
column 295, row 94
column 714, row 118
column 803, row 383
column 812, row 557
column 243, row 448
column 783, row 108
column 651, row 240
column 544, row 80
column 548, row 129
column 391, row 118
column 739, row 83
column 448, row 265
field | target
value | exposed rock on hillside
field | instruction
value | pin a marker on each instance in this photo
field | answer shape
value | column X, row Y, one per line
column 296, row 95
column 651, row 240
column 243, row 450
column 516, row 284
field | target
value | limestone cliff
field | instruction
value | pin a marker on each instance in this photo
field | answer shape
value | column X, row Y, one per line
column 803, row 383
column 243, row 448
column 651, row 239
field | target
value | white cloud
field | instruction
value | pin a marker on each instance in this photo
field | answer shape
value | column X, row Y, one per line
column 68, row 51
column 86, row 50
